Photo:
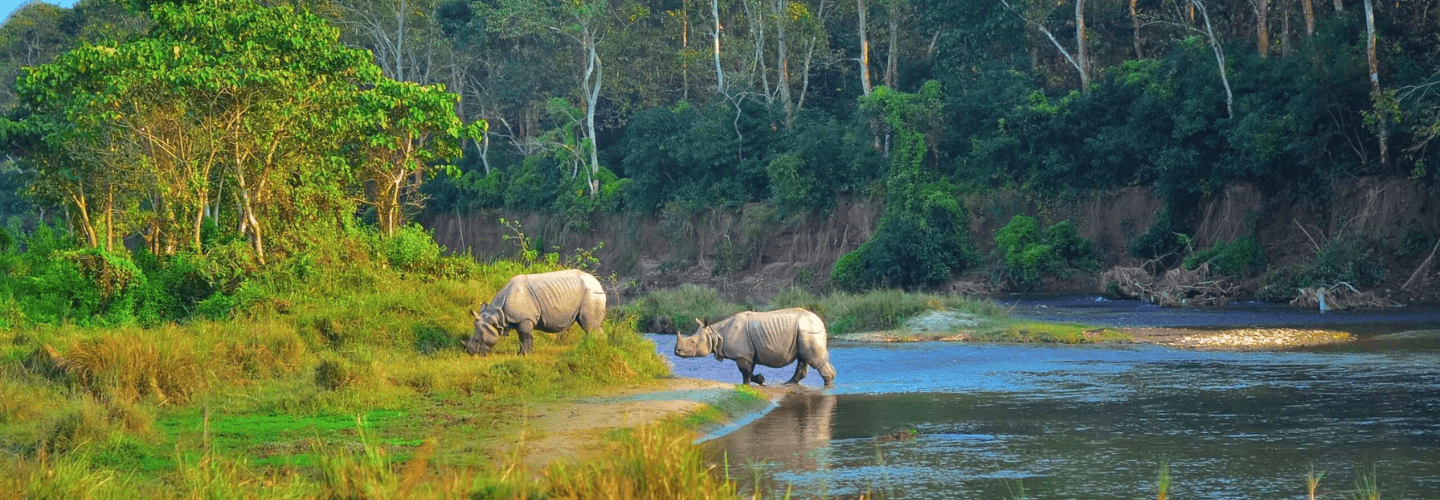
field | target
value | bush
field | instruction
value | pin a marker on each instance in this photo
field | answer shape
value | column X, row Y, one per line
column 672, row 311
column 411, row 248
column 1346, row 258
column 1029, row 254
column 1234, row 259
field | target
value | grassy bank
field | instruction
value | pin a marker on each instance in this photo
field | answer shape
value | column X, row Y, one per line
column 883, row 312
column 342, row 385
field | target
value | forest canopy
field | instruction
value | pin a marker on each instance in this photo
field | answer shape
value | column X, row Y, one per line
column 276, row 117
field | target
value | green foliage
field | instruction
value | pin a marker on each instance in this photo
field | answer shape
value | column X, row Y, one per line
column 1161, row 241
column 1236, row 258
column 790, row 188
column 1029, row 254
column 146, row 134
column 923, row 238
column 1350, row 257
column 671, row 311
column 411, row 248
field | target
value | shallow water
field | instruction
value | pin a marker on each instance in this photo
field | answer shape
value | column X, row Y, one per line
column 1099, row 421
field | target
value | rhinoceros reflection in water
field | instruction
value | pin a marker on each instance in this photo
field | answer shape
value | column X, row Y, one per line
column 791, row 437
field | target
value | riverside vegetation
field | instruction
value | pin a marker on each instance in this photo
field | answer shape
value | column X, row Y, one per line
column 338, row 374
column 882, row 311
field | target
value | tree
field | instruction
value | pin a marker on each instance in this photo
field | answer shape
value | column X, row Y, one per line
column 583, row 22
column 224, row 109
column 405, row 130
column 1219, row 57
column 1079, row 61
column 864, row 49
column 1381, row 101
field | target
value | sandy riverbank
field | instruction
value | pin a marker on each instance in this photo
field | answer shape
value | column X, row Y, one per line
column 576, row 430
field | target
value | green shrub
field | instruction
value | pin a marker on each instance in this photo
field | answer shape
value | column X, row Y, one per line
column 1159, row 241
column 671, row 311
column 411, row 248
column 1030, row 254
column 1347, row 258
column 792, row 186
column 1235, row 258
column 848, row 273
column 430, row 339
column 1350, row 258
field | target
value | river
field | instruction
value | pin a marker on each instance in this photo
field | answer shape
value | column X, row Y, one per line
column 1069, row 422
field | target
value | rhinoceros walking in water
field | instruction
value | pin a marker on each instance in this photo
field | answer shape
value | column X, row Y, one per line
column 773, row 339
column 550, row 302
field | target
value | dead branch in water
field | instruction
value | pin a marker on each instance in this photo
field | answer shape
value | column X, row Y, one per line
column 1178, row 287
column 1339, row 297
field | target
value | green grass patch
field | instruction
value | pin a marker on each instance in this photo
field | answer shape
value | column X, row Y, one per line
column 743, row 400
column 1041, row 332
column 878, row 310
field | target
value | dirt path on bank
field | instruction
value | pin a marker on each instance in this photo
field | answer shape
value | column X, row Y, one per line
column 576, row 430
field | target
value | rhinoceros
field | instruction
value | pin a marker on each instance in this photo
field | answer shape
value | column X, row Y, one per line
column 773, row 339
column 550, row 302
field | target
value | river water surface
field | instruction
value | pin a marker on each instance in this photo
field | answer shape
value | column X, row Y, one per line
column 1067, row 422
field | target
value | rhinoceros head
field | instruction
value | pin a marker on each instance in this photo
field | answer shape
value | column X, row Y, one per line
column 487, row 330
column 696, row 345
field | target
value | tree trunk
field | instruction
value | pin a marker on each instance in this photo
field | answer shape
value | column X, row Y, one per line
column 592, row 98
column 1135, row 26
column 77, row 198
column 757, row 61
column 805, row 80
column 1081, row 64
column 110, row 218
column 1262, row 27
column 1309, row 18
column 1219, row 58
column 400, row 41
column 892, row 54
column 1381, row 114
column 1285, row 27
column 684, row 48
column 719, row 74
column 782, row 63
column 1080, row 52
column 249, row 222
column 864, row 51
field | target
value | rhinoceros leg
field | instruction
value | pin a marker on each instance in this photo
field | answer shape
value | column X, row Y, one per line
column 801, row 370
column 527, row 339
column 747, row 372
column 827, row 372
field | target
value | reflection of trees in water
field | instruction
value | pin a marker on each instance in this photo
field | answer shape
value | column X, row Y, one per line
column 789, row 438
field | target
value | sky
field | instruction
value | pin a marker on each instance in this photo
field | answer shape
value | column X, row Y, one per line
column 8, row 7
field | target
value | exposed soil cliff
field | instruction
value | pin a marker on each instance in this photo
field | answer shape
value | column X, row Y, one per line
column 752, row 253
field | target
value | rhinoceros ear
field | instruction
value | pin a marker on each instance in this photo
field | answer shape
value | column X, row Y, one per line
column 700, row 322
column 476, row 314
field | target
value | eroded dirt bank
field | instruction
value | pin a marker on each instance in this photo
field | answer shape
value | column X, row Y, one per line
column 752, row 253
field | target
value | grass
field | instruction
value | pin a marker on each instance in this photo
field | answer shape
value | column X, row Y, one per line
column 265, row 405
column 875, row 311
column 1012, row 330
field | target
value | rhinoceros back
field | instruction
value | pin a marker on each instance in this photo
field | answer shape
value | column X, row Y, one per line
column 553, row 300
column 773, row 337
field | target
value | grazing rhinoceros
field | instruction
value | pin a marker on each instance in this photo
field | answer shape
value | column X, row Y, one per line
column 550, row 302
column 773, row 339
